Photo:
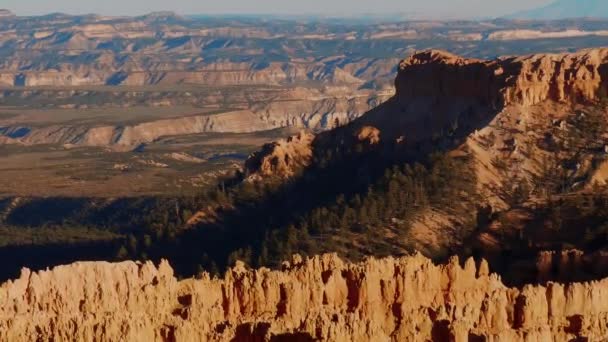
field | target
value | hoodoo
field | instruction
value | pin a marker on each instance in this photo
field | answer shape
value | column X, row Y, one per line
column 320, row 298
column 502, row 113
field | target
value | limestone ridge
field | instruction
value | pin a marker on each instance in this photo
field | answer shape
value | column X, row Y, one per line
column 298, row 108
column 321, row 298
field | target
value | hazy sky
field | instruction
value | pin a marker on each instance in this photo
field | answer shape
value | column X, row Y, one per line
column 455, row 8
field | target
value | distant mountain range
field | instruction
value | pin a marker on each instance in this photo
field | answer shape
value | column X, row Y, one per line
column 564, row 9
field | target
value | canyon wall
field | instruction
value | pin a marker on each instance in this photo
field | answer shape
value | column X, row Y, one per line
column 115, row 73
column 321, row 298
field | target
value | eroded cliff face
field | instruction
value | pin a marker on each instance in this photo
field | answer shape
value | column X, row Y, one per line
column 525, row 81
column 497, row 105
column 322, row 298
column 446, row 91
column 281, row 158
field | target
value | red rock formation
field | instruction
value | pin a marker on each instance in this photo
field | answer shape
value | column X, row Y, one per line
column 526, row 80
column 322, row 298
column 438, row 93
column 369, row 134
column 282, row 158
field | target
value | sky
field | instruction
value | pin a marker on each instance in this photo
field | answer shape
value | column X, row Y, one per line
column 426, row 8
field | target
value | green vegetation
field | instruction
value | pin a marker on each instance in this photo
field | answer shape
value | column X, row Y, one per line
column 22, row 236
column 367, row 210
column 40, row 247
column 581, row 133
column 574, row 221
column 324, row 211
column 394, row 201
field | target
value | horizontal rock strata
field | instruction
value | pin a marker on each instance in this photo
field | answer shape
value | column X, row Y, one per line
column 525, row 80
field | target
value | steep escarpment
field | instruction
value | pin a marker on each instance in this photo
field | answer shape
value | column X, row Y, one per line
column 529, row 132
column 130, row 136
column 526, row 80
column 571, row 78
column 453, row 102
column 443, row 90
column 322, row 298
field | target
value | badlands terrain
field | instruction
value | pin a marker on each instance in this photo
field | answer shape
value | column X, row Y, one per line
column 317, row 299
column 418, row 193
column 499, row 161
column 79, row 94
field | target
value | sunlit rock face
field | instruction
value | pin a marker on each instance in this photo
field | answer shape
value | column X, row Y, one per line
column 438, row 92
column 321, row 298
column 526, row 80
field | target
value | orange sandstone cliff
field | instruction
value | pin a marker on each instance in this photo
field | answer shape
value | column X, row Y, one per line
column 512, row 100
column 281, row 158
column 317, row 299
column 438, row 93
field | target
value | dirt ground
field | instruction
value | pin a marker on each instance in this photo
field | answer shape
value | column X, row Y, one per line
column 172, row 165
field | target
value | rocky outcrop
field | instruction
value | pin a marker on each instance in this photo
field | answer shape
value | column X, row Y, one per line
column 439, row 74
column 571, row 78
column 438, row 79
column 281, row 159
column 525, row 81
column 369, row 134
column 317, row 299
column 443, row 96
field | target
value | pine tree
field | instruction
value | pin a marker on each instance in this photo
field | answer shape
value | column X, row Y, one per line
column 122, row 253
column 292, row 236
column 132, row 243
